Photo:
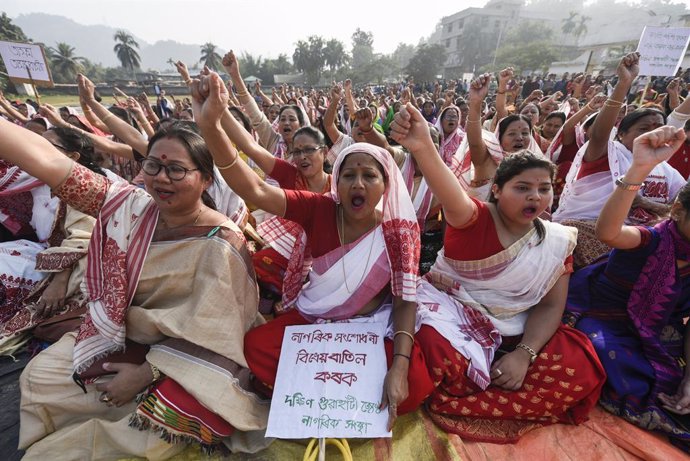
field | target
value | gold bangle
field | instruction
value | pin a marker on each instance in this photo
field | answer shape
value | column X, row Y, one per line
column 500, row 92
column 472, row 121
column 232, row 164
column 188, row 81
column 403, row 332
column 104, row 119
column 87, row 109
column 613, row 102
column 243, row 93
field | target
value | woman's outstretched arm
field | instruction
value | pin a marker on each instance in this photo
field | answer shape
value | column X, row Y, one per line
column 411, row 130
column 649, row 150
column 210, row 102
column 33, row 154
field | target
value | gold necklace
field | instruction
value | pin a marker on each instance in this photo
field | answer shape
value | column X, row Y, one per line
column 342, row 244
column 201, row 210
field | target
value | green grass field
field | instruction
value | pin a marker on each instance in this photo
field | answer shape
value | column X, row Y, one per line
column 65, row 100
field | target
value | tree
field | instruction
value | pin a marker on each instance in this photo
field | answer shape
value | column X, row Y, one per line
column 402, row 55
column 270, row 67
column 569, row 24
column 426, row 62
column 476, row 47
column 362, row 49
column 309, row 58
column 528, row 47
column 210, row 58
column 126, row 50
column 64, row 64
column 334, row 54
column 581, row 27
column 250, row 65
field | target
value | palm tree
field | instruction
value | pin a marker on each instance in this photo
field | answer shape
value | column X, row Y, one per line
column 209, row 57
column 581, row 27
column 334, row 54
column 64, row 63
column 569, row 23
column 126, row 51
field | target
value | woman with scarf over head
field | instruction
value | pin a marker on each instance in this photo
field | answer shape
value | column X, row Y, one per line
column 362, row 255
column 633, row 303
column 482, row 152
column 277, row 141
column 602, row 161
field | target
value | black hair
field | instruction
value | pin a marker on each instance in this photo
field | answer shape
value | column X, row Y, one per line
column 74, row 141
column 196, row 148
column 503, row 124
column 246, row 123
column 124, row 115
column 634, row 116
column 589, row 121
column 515, row 164
column 297, row 109
column 683, row 196
column 313, row 133
column 560, row 115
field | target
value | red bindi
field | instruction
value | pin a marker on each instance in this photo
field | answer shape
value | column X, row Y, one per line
column 163, row 157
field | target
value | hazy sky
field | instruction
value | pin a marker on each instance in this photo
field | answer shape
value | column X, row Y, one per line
column 260, row 27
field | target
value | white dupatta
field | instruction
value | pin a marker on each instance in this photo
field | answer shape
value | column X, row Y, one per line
column 583, row 198
column 458, row 298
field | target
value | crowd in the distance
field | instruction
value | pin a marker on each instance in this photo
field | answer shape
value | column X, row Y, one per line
column 526, row 242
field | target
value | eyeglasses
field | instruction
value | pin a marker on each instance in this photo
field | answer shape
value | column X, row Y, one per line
column 175, row 172
column 308, row 151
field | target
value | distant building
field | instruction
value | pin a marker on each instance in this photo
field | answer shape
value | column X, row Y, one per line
column 494, row 20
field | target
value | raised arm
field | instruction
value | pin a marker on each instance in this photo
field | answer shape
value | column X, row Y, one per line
column 33, row 154
column 680, row 114
column 411, row 130
column 123, row 130
column 571, row 122
column 331, row 112
column 11, row 111
column 246, row 143
column 209, row 103
column 649, row 150
column 504, row 77
column 627, row 70
column 101, row 143
column 349, row 99
column 479, row 88
column 264, row 98
column 261, row 124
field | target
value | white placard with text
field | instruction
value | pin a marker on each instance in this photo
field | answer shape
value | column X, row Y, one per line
column 329, row 382
column 662, row 50
column 18, row 57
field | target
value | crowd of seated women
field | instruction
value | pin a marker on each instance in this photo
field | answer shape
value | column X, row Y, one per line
column 528, row 253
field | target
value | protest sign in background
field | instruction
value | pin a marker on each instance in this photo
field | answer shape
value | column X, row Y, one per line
column 329, row 383
column 18, row 57
column 662, row 50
